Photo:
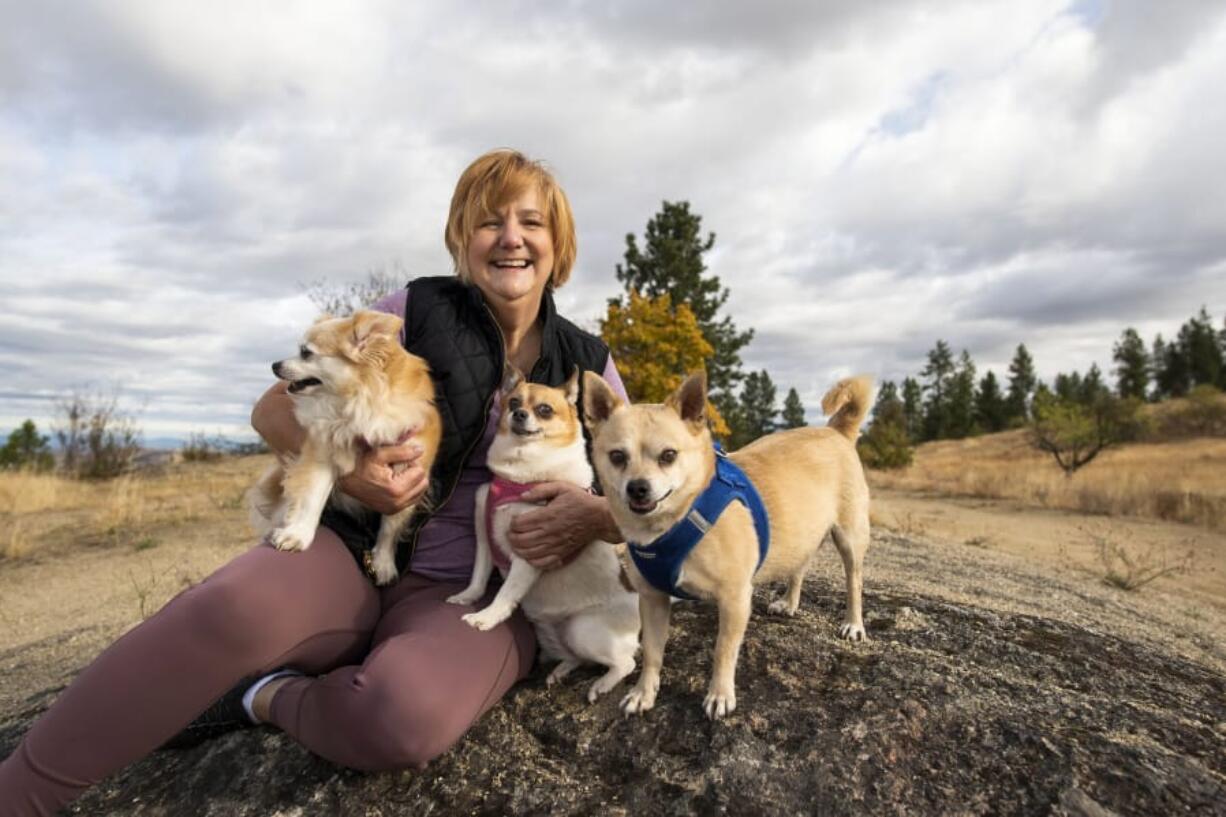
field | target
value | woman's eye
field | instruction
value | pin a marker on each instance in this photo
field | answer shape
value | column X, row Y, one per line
column 544, row 411
column 618, row 458
column 668, row 456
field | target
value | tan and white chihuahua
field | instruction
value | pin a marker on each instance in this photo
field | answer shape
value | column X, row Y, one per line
column 581, row 610
column 654, row 460
column 353, row 385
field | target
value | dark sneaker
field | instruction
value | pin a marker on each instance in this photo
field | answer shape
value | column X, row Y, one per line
column 225, row 715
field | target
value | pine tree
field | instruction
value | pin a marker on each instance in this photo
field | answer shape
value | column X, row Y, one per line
column 1172, row 370
column 1068, row 387
column 793, row 411
column 1199, row 345
column 939, row 375
column 26, row 448
column 962, row 398
column 670, row 262
column 991, row 412
column 886, row 444
column 1131, row 365
column 913, row 408
column 1022, row 384
column 1092, row 386
column 757, row 410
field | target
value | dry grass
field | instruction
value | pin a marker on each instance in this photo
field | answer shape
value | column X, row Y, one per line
column 1180, row 481
column 39, row 511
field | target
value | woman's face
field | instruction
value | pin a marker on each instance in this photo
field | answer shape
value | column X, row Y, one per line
column 510, row 255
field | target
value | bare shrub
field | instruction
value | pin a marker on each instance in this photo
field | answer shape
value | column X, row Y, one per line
column 96, row 439
column 345, row 298
column 202, row 448
column 1132, row 567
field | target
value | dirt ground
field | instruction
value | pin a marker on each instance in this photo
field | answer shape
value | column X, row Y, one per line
column 61, row 605
column 1064, row 540
column 1003, row 676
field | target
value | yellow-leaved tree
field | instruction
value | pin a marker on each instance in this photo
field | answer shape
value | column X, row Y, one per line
column 655, row 346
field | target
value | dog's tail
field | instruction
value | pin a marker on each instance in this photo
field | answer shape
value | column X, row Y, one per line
column 263, row 499
column 846, row 405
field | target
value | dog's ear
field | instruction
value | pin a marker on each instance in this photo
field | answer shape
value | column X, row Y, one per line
column 690, row 399
column 599, row 400
column 371, row 327
column 511, row 378
column 571, row 387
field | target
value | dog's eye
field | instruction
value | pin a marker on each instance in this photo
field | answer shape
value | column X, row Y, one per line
column 668, row 456
column 544, row 411
column 304, row 352
column 618, row 457
column 514, row 403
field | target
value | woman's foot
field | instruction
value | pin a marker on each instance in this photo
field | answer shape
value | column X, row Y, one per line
column 249, row 703
column 225, row 715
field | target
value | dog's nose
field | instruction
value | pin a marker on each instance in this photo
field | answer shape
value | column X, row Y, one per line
column 276, row 369
column 519, row 415
column 639, row 490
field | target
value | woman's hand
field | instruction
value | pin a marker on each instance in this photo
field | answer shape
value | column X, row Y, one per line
column 570, row 519
column 387, row 479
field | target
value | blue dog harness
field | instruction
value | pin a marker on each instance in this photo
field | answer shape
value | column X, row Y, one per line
column 660, row 561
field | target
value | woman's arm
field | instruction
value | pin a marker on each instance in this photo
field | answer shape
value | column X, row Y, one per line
column 387, row 479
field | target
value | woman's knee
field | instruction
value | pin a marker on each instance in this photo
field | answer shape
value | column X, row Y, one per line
column 400, row 731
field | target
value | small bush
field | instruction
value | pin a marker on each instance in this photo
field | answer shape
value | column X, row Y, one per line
column 96, row 440
column 1131, row 568
column 885, row 445
column 201, row 448
column 1201, row 414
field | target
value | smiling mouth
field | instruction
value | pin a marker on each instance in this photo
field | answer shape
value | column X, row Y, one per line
column 296, row 386
column 519, row 431
column 646, row 507
column 517, row 263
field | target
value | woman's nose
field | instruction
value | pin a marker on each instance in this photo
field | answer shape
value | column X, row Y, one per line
column 511, row 234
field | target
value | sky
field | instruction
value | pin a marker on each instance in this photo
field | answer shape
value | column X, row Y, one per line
column 878, row 175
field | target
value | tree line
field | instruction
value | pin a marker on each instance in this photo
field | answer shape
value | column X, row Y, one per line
column 948, row 400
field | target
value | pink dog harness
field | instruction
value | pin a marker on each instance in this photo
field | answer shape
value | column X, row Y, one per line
column 504, row 492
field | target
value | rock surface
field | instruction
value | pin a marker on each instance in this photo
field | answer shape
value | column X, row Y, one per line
column 951, row 708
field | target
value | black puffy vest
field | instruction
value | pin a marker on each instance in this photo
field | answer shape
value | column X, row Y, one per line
column 448, row 324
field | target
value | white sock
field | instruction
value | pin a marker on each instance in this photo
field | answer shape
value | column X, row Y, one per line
column 249, row 695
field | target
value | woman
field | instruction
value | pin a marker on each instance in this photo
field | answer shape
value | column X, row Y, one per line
column 367, row 678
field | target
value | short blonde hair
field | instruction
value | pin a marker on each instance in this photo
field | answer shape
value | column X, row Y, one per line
column 492, row 181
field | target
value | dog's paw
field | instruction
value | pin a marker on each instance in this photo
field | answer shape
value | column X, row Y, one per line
column 640, row 699
column 780, row 607
column 384, row 567
column 291, row 538
column 487, row 619
column 853, row 632
column 560, row 672
column 464, row 598
column 719, row 702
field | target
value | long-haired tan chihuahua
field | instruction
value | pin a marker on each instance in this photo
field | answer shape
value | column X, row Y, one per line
column 655, row 460
column 353, row 385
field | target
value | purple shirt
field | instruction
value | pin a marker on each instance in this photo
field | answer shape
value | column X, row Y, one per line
column 448, row 541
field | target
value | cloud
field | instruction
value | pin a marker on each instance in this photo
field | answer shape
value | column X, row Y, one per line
column 878, row 175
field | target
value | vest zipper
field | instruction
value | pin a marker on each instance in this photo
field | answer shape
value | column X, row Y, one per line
column 489, row 404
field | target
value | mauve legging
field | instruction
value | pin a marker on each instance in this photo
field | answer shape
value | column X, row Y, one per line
column 405, row 677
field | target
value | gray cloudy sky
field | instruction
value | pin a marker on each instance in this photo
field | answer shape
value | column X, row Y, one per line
column 878, row 175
